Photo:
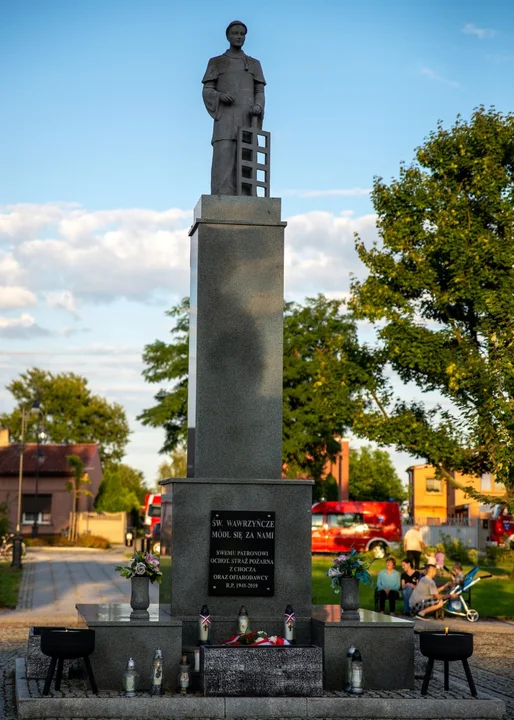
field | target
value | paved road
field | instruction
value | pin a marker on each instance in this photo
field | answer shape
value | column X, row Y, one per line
column 56, row 579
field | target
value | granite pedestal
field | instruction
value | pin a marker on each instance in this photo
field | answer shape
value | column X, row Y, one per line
column 236, row 338
column 386, row 644
column 117, row 638
column 185, row 542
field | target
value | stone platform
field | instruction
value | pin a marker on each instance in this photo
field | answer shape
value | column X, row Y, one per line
column 77, row 702
column 117, row 637
column 386, row 644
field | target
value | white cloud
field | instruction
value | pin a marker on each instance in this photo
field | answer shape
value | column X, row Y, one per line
column 344, row 192
column 480, row 33
column 320, row 252
column 71, row 254
column 62, row 300
column 428, row 72
column 22, row 327
column 15, row 296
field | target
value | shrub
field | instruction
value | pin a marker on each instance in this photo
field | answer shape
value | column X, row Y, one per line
column 454, row 549
column 93, row 541
column 474, row 556
column 499, row 555
column 47, row 541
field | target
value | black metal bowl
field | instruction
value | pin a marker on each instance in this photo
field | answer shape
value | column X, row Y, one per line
column 68, row 644
column 438, row 645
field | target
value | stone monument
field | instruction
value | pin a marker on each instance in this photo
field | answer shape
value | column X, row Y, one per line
column 233, row 93
column 234, row 530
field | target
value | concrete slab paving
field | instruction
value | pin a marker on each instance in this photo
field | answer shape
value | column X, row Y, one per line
column 56, row 579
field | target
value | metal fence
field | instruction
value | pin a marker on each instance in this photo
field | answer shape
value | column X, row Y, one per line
column 432, row 533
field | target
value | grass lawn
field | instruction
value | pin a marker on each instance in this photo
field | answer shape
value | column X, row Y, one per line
column 9, row 584
column 493, row 597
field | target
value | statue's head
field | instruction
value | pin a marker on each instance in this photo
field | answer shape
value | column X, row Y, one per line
column 236, row 33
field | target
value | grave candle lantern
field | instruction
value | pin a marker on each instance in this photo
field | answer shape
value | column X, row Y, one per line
column 289, row 623
column 357, row 675
column 204, row 626
column 243, row 621
column 348, row 674
column 184, row 676
column 157, row 673
column 130, row 678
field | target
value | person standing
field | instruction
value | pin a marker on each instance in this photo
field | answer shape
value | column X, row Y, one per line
column 388, row 586
column 409, row 579
column 413, row 545
column 233, row 93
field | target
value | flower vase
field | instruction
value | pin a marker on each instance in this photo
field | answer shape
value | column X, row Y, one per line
column 349, row 598
column 140, row 597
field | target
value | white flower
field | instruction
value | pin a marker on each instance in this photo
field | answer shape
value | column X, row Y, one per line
column 333, row 572
column 140, row 569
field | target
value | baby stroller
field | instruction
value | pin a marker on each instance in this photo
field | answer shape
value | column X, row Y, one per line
column 458, row 606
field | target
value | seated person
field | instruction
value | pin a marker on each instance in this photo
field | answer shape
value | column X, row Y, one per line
column 426, row 597
column 409, row 579
column 388, row 585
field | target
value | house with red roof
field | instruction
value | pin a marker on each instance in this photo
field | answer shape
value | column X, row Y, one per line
column 44, row 479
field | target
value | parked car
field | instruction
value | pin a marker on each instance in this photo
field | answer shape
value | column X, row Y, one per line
column 363, row 525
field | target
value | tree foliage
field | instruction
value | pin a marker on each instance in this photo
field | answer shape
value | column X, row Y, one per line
column 373, row 477
column 440, row 289
column 325, row 373
column 72, row 414
column 175, row 466
column 113, row 496
column 168, row 363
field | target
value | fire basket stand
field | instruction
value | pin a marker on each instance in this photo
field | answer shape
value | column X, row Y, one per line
column 446, row 646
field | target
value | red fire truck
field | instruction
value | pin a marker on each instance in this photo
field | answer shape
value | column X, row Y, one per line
column 152, row 512
column 363, row 525
column 501, row 528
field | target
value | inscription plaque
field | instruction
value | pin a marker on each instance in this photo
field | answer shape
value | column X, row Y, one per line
column 242, row 553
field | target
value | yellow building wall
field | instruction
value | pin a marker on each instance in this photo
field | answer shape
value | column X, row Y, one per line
column 459, row 498
column 429, row 506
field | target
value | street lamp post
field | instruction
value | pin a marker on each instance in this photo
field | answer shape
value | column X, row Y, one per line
column 17, row 540
column 35, row 526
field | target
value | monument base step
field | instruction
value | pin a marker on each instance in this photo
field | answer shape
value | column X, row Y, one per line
column 73, row 701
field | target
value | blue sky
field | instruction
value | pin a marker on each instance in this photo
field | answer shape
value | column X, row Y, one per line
column 105, row 149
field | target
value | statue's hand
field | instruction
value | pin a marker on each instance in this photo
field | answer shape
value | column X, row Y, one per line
column 226, row 99
column 256, row 110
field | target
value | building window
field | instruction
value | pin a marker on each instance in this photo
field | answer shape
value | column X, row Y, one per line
column 485, row 482
column 42, row 518
column 36, row 509
column 434, row 485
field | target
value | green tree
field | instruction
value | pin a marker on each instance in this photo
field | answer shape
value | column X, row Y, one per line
column 373, row 477
column 112, row 496
column 175, row 467
column 72, row 414
column 77, row 488
column 325, row 373
column 168, row 363
column 440, row 290
column 132, row 480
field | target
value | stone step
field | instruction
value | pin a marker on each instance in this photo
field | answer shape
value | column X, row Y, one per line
column 384, row 706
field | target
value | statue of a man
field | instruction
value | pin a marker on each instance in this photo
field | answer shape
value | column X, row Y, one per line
column 233, row 92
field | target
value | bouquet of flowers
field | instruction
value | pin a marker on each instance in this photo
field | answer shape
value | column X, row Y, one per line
column 142, row 565
column 350, row 565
